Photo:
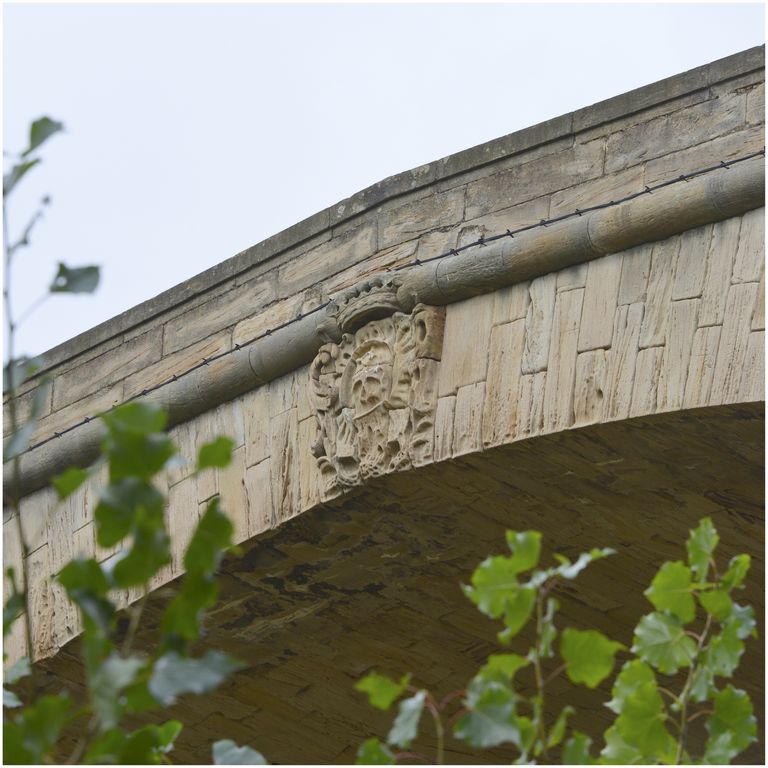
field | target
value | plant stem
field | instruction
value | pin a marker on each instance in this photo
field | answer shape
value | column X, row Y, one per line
column 687, row 692
column 15, row 500
column 133, row 626
column 438, row 728
column 540, row 682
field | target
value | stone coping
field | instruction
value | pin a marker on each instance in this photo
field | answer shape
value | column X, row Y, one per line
column 400, row 184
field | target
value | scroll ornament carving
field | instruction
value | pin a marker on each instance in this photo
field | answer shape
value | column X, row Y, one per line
column 374, row 393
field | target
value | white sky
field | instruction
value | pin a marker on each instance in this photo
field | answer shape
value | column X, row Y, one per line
column 195, row 131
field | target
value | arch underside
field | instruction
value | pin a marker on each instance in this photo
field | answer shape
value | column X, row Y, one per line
column 371, row 580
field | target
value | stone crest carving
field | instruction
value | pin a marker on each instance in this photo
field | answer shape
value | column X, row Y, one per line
column 374, row 393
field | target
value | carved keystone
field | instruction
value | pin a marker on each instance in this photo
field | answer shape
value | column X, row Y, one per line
column 374, row 393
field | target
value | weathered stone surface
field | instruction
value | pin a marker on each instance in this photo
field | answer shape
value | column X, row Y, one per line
column 109, row 368
column 600, row 298
column 590, row 386
column 538, row 323
column 565, row 169
column 701, row 367
column 677, row 354
column 750, row 256
column 598, row 191
column 635, row 270
column 430, row 212
column 511, row 303
column 444, row 427
column 468, row 418
column 691, row 263
column 660, row 282
column 627, row 325
column 500, row 407
column 465, row 353
column 726, row 380
column 679, row 130
column 719, row 270
column 645, row 385
column 561, row 367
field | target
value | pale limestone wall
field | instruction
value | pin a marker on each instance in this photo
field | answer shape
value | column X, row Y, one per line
column 666, row 326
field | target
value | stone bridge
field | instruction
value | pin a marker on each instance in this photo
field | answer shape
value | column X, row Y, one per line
column 402, row 386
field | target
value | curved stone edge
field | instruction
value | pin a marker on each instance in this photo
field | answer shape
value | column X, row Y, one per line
column 392, row 187
column 666, row 212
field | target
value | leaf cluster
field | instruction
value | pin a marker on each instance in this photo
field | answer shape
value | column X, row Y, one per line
column 651, row 723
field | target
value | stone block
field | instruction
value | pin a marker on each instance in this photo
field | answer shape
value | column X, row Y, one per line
column 530, row 409
column 221, row 312
column 691, row 263
column 176, row 363
column 256, row 416
column 604, row 189
column 231, row 483
column 468, row 419
column 600, row 300
column 538, row 323
column 731, row 354
column 258, row 489
column 500, row 407
column 635, row 270
column 511, row 303
column 677, row 354
column 645, row 386
column 627, row 323
column 444, row 414
column 701, row 366
column 722, row 249
column 465, row 343
column 339, row 253
column 678, row 130
column 440, row 209
column 752, row 387
column 590, row 385
column 660, row 282
column 542, row 176
column 108, row 369
column 561, row 367
column 750, row 254
column 284, row 469
column 704, row 155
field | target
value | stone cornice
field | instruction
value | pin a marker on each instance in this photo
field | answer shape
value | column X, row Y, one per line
column 716, row 196
column 624, row 105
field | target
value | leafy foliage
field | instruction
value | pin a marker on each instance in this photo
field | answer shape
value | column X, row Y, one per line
column 506, row 702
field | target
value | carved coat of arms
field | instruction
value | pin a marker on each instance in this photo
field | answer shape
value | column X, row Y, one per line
column 374, row 392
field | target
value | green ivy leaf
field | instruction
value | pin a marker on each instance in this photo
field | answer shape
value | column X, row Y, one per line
column 641, row 723
column 502, row 667
column 87, row 586
column 588, row 655
column 525, row 548
column 181, row 622
column 492, row 583
column 226, row 752
column 75, row 279
column 717, row 603
column 558, row 729
column 738, row 568
column 702, row 683
column 633, row 674
column 16, row 174
column 406, row 724
column 118, row 505
column 40, row 131
column 724, row 651
column 743, row 619
column 519, row 608
column 373, row 752
column 69, row 481
column 701, row 545
column 732, row 726
column 576, row 750
column 13, row 606
column 381, row 690
column 661, row 641
column 149, row 553
column 10, row 699
column 617, row 752
column 107, row 683
column 217, row 453
column 146, row 746
column 212, row 537
column 670, row 591
column 491, row 719
column 173, row 675
column 37, row 729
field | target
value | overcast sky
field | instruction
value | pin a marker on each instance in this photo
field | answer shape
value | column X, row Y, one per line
column 195, row 131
